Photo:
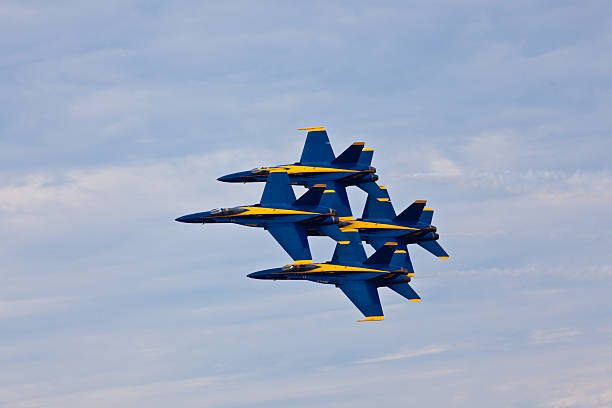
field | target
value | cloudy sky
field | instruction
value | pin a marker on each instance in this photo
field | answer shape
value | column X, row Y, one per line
column 118, row 116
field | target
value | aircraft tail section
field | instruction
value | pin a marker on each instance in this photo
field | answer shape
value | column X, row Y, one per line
column 350, row 250
column 434, row 248
column 365, row 158
column 332, row 199
column 312, row 197
column 426, row 216
column 379, row 206
column 278, row 189
column 317, row 148
column 413, row 213
column 342, row 202
column 351, row 155
column 384, row 255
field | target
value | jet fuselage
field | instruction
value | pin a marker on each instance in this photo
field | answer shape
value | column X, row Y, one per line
column 308, row 175
column 258, row 216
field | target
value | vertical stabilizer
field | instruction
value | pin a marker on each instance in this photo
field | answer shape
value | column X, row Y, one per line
column 379, row 206
column 349, row 251
column 278, row 189
column 317, row 148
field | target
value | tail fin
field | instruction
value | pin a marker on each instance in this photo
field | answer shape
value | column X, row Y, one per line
column 350, row 251
column 365, row 159
column 434, row 248
column 278, row 189
column 331, row 199
column 317, row 148
column 383, row 255
column 342, row 206
column 351, row 154
column 379, row 206
column 312, row 197
column 412, row 214
column 426, row 216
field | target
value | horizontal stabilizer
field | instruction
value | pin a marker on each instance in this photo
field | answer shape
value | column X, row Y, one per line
column 412, row 213
column 434, row 248
column 278, row 189
column 350, row 250
column 365, row 159
column 312, row 197
column 317, row 148
column 351, row 155
column 378, row 206
column 383, row 255
column 364, row 295
column 406, row 291
column 293, row 239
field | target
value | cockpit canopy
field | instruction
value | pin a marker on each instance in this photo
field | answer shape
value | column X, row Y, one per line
column 259, row 170
column 299, row 267
column 226, row 211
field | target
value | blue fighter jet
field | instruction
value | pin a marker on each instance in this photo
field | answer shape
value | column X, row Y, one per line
column 379, row 224
column 319, row 165
column 289, row 221
column 359, row 278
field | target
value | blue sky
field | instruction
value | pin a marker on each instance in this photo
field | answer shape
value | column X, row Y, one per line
column 118, row 117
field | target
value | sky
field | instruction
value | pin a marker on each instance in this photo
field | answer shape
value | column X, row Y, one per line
column 118, row 116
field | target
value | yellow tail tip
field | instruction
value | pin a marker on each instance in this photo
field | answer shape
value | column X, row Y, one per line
column 444, row 257
column 415, row 300
column 372, row 319
column 311, row 129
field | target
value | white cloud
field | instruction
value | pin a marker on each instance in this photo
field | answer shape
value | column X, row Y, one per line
column 406, row 354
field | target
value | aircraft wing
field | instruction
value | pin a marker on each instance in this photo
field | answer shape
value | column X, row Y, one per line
column 293, row 239
column 364, row 295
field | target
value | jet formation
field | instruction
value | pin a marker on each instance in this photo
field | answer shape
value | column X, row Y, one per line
column 324, row 210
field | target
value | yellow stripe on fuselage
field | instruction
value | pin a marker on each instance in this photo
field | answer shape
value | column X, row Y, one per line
column 331, row 268
column 296, row 169
column 250, row 211
column 373, row 225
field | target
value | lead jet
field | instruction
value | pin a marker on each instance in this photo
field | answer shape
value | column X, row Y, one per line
column 289, row 221
column 380, row 224
column 357, row 277
column 319, row 165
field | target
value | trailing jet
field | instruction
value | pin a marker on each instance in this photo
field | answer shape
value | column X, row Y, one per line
column 319, row 165
column 359, row 278
column 289, row 221
column 379, row 224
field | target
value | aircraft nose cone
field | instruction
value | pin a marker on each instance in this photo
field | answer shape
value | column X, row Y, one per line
column 257, row 275
column 228, row 178
column 192, row 218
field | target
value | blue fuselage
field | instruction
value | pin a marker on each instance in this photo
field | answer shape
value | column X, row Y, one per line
column 308, row 175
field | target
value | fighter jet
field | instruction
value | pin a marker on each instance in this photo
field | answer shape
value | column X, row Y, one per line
column 319, row 165
column 289, row 221
column 359, row 278
column 379, row 224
